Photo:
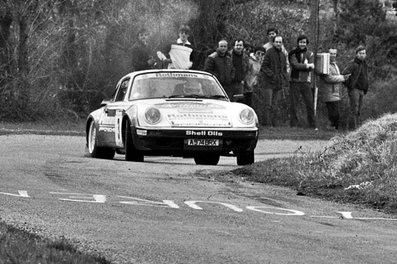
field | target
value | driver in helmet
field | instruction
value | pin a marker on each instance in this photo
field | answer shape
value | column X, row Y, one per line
column 192, row 87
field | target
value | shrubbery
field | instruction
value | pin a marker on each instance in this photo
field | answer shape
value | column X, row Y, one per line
column 358, row 167
column 73, row 50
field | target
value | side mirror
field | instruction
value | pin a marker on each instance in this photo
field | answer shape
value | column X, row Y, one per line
column 238, row 98
column 104, row 103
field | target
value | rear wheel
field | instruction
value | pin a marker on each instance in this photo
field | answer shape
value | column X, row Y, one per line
column 92, row 145
column 245, row 157
column 207, row 159
column 131, row 153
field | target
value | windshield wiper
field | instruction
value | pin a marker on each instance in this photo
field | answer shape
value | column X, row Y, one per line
column 216, row 96
column 177, row 96
column 187, row 96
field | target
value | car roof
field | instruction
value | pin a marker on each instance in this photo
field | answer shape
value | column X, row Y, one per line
column 135, row 73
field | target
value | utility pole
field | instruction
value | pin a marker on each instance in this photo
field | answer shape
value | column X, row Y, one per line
column 315, row 32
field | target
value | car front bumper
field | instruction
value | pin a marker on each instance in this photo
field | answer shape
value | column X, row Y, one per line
column 175, row 142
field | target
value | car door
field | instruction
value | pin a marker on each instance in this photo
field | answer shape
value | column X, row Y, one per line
column 112, row 116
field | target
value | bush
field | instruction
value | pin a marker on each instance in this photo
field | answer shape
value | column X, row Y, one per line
column 357, row 167
column 380, row 98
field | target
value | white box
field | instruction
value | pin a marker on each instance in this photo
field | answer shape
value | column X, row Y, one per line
column 322, row 63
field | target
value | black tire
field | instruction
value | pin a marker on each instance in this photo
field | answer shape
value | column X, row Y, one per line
column 207, row 159
column 131, row 153
column 245, row 157
column 92, row 145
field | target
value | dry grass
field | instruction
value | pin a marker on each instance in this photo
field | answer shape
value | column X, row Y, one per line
column 17, row 246
column 358, row 167
column 48, row 127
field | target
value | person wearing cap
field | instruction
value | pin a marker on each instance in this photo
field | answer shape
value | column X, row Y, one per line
column 274, row 77
column 302, row 65
column 179, row 55
column 357, row 85
column 330, row 89
column 141, row 58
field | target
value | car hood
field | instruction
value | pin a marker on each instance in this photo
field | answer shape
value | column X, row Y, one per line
column 192, row 113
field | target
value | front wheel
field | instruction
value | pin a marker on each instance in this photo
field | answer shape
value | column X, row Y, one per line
column 245, row 157
column 207, row 159
column 92, row 145
column 131, row 153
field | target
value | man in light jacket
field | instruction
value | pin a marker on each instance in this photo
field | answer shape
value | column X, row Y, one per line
column 330, row 88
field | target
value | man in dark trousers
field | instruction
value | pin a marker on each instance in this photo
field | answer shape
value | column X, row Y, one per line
column 302, row 65
column 357, row 85
column 220, row 64
column 141, row 58
column 271, row 33
column 273, row 77
column 240, row 65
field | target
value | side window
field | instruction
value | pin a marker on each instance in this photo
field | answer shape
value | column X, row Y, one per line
column 122, row 90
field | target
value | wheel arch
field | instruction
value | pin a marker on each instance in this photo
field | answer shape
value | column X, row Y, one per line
column 125, row 120
column 87, row 128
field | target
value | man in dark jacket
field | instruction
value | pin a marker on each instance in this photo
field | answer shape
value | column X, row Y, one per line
column 357, row 85
column 141, row 58
column 220, row 64
column 240, row 65
column 273, row 77
column 301, row 61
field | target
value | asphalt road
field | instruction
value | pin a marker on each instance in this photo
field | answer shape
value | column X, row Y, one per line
column 168, row 210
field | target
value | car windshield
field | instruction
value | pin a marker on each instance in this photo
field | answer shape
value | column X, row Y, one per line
column 175, row 85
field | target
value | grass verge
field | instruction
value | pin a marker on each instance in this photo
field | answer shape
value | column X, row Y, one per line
column 18, row 246
column 71, row 128
column 359, row 167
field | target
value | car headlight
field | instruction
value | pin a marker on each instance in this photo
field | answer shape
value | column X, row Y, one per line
column 247, row 116
column 153, row 115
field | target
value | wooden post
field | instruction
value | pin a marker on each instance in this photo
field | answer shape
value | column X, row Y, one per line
column 315, row 9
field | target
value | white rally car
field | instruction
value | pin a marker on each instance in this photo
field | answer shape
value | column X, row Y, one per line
column 175, row 113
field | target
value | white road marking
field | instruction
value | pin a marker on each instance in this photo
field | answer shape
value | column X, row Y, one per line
column 145, row 202
column 291, row 212
column 82, row 198
column 101, row 199
column 21, row 193
column 193, row 205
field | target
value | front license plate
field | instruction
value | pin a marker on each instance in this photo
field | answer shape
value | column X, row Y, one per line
column 201, row 142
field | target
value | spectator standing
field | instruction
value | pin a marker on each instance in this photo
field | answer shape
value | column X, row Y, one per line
column 141, row 58
column 179, row 55
column 301, row 60
column 219, row 63
column 240, row 65
column 249, row 49
column 251, row 79
column 357, row 85
column 274, row 77
column 330, row 87
column 271, row 33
